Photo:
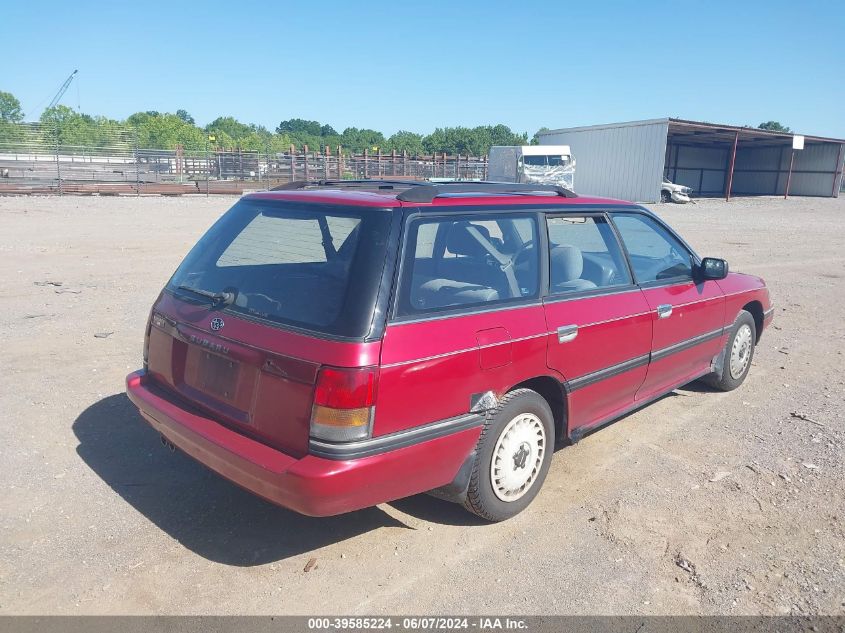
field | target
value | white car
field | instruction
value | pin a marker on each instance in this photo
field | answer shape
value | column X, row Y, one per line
column 670, row 192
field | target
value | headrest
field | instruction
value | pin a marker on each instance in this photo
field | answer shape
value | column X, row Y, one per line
column 461, row 242
column 567, row 263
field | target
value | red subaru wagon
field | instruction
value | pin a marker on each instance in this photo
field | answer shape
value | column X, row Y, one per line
column 330, row 346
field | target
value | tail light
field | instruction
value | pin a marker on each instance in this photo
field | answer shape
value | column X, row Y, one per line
column 344, row 404
column 152, row 319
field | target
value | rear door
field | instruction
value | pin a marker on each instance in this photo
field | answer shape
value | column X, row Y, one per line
column 467, row 316
column 598, row 320
column 688, row 315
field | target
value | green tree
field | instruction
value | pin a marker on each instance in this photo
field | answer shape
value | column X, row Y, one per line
column 229, row 128
column 10, row 108
column 773, row 126
column 475, row 141
column 535, row 140
column 166, row 131
column 357, row 140
column 404, row 141
column 300, row 126
column 187, row 118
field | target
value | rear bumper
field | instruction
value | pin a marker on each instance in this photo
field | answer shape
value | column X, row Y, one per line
column 311, row 485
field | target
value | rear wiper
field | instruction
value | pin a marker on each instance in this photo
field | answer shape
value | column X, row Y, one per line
column 226, row 298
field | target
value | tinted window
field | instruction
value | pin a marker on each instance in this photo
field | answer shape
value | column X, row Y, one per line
column 305, row 266
column 534, row 160
column 271, row 239
column 469, row 262
column 655, row 253
column 584, row 255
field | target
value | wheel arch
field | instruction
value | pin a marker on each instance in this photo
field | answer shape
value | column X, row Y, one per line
column 554, row 393
column 755, row 308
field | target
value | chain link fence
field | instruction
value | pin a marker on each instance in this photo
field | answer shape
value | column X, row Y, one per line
column 49, row 158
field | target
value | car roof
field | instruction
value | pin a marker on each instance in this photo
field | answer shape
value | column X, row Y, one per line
column 424, row 194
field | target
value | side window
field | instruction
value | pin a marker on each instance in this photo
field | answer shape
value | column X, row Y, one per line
column 655, row 253
column 471, row 261
column 583, row 255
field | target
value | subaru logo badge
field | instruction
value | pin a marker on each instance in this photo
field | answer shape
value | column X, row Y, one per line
column 217, row 324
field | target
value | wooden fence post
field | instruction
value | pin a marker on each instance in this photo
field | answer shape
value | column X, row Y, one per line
column 393, row 162
column 404, row 162
column 339, row 163
column 366, row 164
column 306, row 163
column 327, row 152
column 292, row 162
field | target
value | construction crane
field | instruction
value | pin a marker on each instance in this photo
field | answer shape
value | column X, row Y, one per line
column 62, row 90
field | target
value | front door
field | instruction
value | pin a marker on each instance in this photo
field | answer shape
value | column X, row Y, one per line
column 599, row 322
column 688, row 314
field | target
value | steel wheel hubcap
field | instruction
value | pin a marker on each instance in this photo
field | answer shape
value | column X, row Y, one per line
column 518, row 456
column 741, row 351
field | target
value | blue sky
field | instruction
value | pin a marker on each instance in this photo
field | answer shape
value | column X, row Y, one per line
column 418, row 65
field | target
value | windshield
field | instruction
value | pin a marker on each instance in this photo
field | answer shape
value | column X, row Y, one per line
column 314, row 267
column 537, row 161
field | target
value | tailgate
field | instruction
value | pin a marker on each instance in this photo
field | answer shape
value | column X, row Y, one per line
column 262, row 393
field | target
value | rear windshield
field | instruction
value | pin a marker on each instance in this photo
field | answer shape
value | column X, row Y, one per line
column 312, row 267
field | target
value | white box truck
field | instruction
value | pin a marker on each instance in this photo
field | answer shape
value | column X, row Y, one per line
column 541, row 164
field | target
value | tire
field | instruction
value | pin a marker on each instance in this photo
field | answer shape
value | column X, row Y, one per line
column 665, row 196
column 738, row 354
column 517, row 441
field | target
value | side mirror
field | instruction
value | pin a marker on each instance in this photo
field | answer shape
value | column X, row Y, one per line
column 713, row 268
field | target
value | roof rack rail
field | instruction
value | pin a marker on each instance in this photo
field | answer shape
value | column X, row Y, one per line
column 428, row 192
column 363, row 184
column 425, row 191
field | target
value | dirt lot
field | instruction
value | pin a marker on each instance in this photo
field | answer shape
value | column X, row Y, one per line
column 702, row 503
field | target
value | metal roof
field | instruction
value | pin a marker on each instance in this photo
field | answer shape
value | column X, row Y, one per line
column 703, row 131
column 726, row 133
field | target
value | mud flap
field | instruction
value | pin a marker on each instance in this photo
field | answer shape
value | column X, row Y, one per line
column 717, row 365
column 456, row 491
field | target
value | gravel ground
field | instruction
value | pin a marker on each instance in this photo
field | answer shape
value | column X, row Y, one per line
column 701, row 503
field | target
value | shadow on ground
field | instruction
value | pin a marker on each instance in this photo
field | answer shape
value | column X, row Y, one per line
column 207, row 514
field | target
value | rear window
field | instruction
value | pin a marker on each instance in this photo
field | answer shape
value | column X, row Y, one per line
column 312, row 267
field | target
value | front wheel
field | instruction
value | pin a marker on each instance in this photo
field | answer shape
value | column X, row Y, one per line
column 513, row 456
column 665, row 196
column 739, row 351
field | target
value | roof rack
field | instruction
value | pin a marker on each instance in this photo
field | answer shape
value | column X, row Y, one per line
column 424, row 191
column 429, row 191
column 352, row 184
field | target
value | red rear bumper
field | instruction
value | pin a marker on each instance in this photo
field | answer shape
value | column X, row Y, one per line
column 310, row 485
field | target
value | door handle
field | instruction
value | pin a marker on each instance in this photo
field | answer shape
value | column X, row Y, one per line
column 566, row 333
column 664, row 311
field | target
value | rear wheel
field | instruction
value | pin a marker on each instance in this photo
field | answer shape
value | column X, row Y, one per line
column 739, row 351
column 513, row 456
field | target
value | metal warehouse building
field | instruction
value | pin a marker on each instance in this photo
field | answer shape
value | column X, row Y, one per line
column 630, row 160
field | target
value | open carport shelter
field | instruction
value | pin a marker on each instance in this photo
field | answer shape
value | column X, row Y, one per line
column 630, row 160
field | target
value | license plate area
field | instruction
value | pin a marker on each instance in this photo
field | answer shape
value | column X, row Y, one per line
column 218, row 376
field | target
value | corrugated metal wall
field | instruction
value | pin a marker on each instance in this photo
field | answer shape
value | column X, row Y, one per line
column 702, row 168
column 764, row 171
column 623, row 160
